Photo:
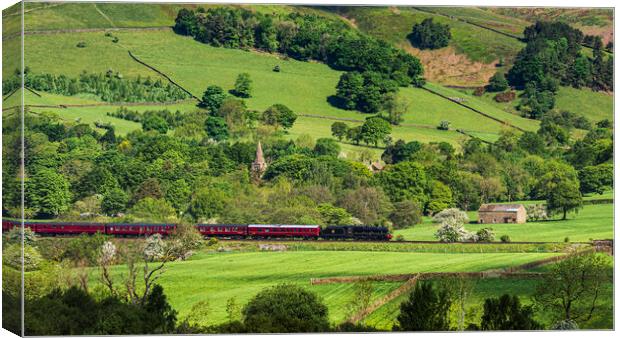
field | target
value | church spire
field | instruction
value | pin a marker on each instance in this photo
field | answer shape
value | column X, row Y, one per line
column 259, row 165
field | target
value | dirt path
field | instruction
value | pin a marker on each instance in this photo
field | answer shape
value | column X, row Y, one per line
column 104, row 15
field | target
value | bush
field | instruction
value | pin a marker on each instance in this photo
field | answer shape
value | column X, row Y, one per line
column 81, row 44
column 286, row 308
column 108, row 34
column 566, row 239
column 485, row 235
column 479, row 91
column 399, row 238
column 430, row 35
column 497, row 83
column 505, row 96
column 115, row 39
column 276, row 69
column 444, row 125
column 505, row 239
column 213, row 241
column 452, row 231
column 451, row 214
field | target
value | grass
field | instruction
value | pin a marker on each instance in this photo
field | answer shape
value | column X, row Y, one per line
column 595, row 106
column 217, row 277
column 385, row 316
column 592, row 222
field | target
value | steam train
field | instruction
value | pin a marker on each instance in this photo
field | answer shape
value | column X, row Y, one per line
column 231, row 231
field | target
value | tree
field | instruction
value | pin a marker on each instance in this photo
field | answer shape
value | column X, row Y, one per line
column 327, row 147
column 571, row 290
column 333, row 215
column 216, row 128
column 507, row 313
column 430, row 35
column 243, row 85
column 440, row 198
column 560, row 187
column 161, row 316
column 47, row 192
column 460, row 288
column 396, row 107
column 339, row 130
column 207, row 203
column 186, row 239
column 360, row 301
column 154, row 210
column 452, row 231
column 365, row 91
column 406, row 213
column 368, row 204
column 404, row 181
column 497, row 83
column 374, row 130
column 285, row 309
column 279, row 115
column 426, row 309
column 596, row 178
column 213, row 98
column 114, row 201
column 154, row 122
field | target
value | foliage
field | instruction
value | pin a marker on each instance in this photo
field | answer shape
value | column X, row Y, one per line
column 155, row 123
column 334, row 215
column 216, row 128
column 243, row 86
column 285, row 308
column 110, row 87
column 406, row 213
column 14, row 236
column 213, row 98
column 561, row 188
column 505, row 239
column 48, row 192
column 536, row 212
column 497, row 83
column 339, row 130
column 451, row 231
column 452, row 214
column 426, row 309
column 279, row 115
column 485, row 235
column 375, row 130
column 507, row 313
column 571, row 289
column 153, row 209
column 404, row 181
column 444, row 125
column 596, row 179
column 430, row 35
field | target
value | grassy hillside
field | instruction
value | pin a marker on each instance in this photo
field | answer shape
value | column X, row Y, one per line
column 592, row 222
column 303, row 86
column 220, row 276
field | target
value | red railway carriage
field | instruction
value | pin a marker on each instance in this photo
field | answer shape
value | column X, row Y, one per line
column 281, row 231
column 137, row 229
column 8, row 225
column 223, row 230
column 65, row 228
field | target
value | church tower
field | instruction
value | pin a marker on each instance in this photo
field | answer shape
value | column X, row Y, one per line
column 259, row 165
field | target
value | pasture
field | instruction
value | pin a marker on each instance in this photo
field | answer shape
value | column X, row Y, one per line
column 592, row 222
column 219, row 276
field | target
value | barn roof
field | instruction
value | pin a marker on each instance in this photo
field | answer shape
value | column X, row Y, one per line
column 500, row 207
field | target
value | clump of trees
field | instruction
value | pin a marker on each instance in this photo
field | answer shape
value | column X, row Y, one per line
column 110, row 86
column 430, row 35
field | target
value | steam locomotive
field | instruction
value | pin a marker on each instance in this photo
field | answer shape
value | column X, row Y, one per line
column 231, row 231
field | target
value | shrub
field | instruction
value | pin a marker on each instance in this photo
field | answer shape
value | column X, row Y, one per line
column 108, row 34
column 444, row 125
column 505, row 239
column 485, row 235
column 566, row 239
column 536, row 212
column 115, row 39
column 276, row 69
column 504, row 97
column 565, row 324
column 212, row 241
column 452, row 231
column 497, row 83
column 451, row 214
column 81, row 44
column 399, row 238
column 430, row 35
column 479, row 91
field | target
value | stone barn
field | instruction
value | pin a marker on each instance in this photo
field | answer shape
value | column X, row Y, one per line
column 502, row 213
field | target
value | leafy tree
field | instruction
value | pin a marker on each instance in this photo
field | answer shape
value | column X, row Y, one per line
column 48, row 192
column 361, row 300
column 243, row 85
column 216, row 128
column 430, row 35
column 404, row 181
column 213, row 98
column 279, row 115
column 374, row 130
column 452, row 231
column 285, row 309
column 596, row 178
column 327, row 146
column 355, row 134
column 440, row 198
column 485, row 235
column 333, row 215
column 426, row 309
column 560, row 187
column 571, row 290
column 155, row 123
column 339, row 130
column 406, row 213
column 155, row 210
column 396, row 107
column 401, row 151
column 497, row 83
column 368, row 204
column 507, row 313
column 365, row 92
column 208, row 203
column 185, row 22
column 114, row 201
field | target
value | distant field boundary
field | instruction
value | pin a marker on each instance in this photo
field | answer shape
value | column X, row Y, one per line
column 599, row 201
column 163, row 74
column 86, row 30
column 474, row 109
column 425, row 275
column 102, row 104
column 408, row 285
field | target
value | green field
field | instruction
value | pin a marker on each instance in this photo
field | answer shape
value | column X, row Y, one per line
column 385, row 316
column 303, row 86
column 592, row 222
column 217, row 277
